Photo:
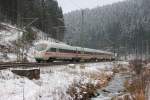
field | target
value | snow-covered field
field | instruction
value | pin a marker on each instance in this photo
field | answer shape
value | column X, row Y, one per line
column 53, row 83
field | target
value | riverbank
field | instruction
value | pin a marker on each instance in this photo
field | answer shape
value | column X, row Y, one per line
column 116, row 85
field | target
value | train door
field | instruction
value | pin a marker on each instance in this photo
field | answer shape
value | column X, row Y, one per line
column 57, row 52
column 76, row 53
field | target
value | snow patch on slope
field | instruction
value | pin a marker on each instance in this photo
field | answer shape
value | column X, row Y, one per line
column 14, row 87
column 10, row 33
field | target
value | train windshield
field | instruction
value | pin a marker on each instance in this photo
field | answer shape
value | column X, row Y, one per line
column 41, row 47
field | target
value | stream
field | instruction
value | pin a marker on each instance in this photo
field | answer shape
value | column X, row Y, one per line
column 114, row 88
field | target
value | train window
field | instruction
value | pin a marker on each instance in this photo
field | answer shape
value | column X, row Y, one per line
column 61, row 50
column 66, row 51
column 53, row 49
column 79, row 52
column 88, row 53
column 70, row 51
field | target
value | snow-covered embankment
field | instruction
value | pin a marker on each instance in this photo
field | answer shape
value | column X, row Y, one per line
column 54, row 83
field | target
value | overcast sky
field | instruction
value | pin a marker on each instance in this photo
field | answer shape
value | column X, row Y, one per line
column 70, row 5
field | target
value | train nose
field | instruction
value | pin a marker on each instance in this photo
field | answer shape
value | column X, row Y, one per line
column 38, row 54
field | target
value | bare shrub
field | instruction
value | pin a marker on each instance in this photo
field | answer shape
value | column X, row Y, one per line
column 136, row 65
column 139, row 82
column 82, row 91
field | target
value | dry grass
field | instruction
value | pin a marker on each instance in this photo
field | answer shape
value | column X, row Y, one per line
column 139, row 82
column 136, row 89
column 136, row 66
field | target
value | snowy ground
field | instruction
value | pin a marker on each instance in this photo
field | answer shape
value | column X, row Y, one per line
column 9, row 34
column 53, row 83
column 9, row 58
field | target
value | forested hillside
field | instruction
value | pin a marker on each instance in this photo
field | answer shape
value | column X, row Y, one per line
column 122, row 27
column 22, row 12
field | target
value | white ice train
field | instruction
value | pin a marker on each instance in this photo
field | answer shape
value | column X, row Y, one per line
column 47, row 51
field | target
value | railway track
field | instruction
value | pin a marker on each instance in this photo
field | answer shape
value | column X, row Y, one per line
column 31, row 65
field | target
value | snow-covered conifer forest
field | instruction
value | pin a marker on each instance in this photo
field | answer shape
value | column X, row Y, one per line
column 94, row 53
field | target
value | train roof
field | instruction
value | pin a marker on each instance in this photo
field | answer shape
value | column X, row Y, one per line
column 97, row 51
column 69, row 47
column 61, row 46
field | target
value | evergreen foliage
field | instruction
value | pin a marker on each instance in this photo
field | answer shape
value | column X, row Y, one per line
column 47, row 11
column 120, row 27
